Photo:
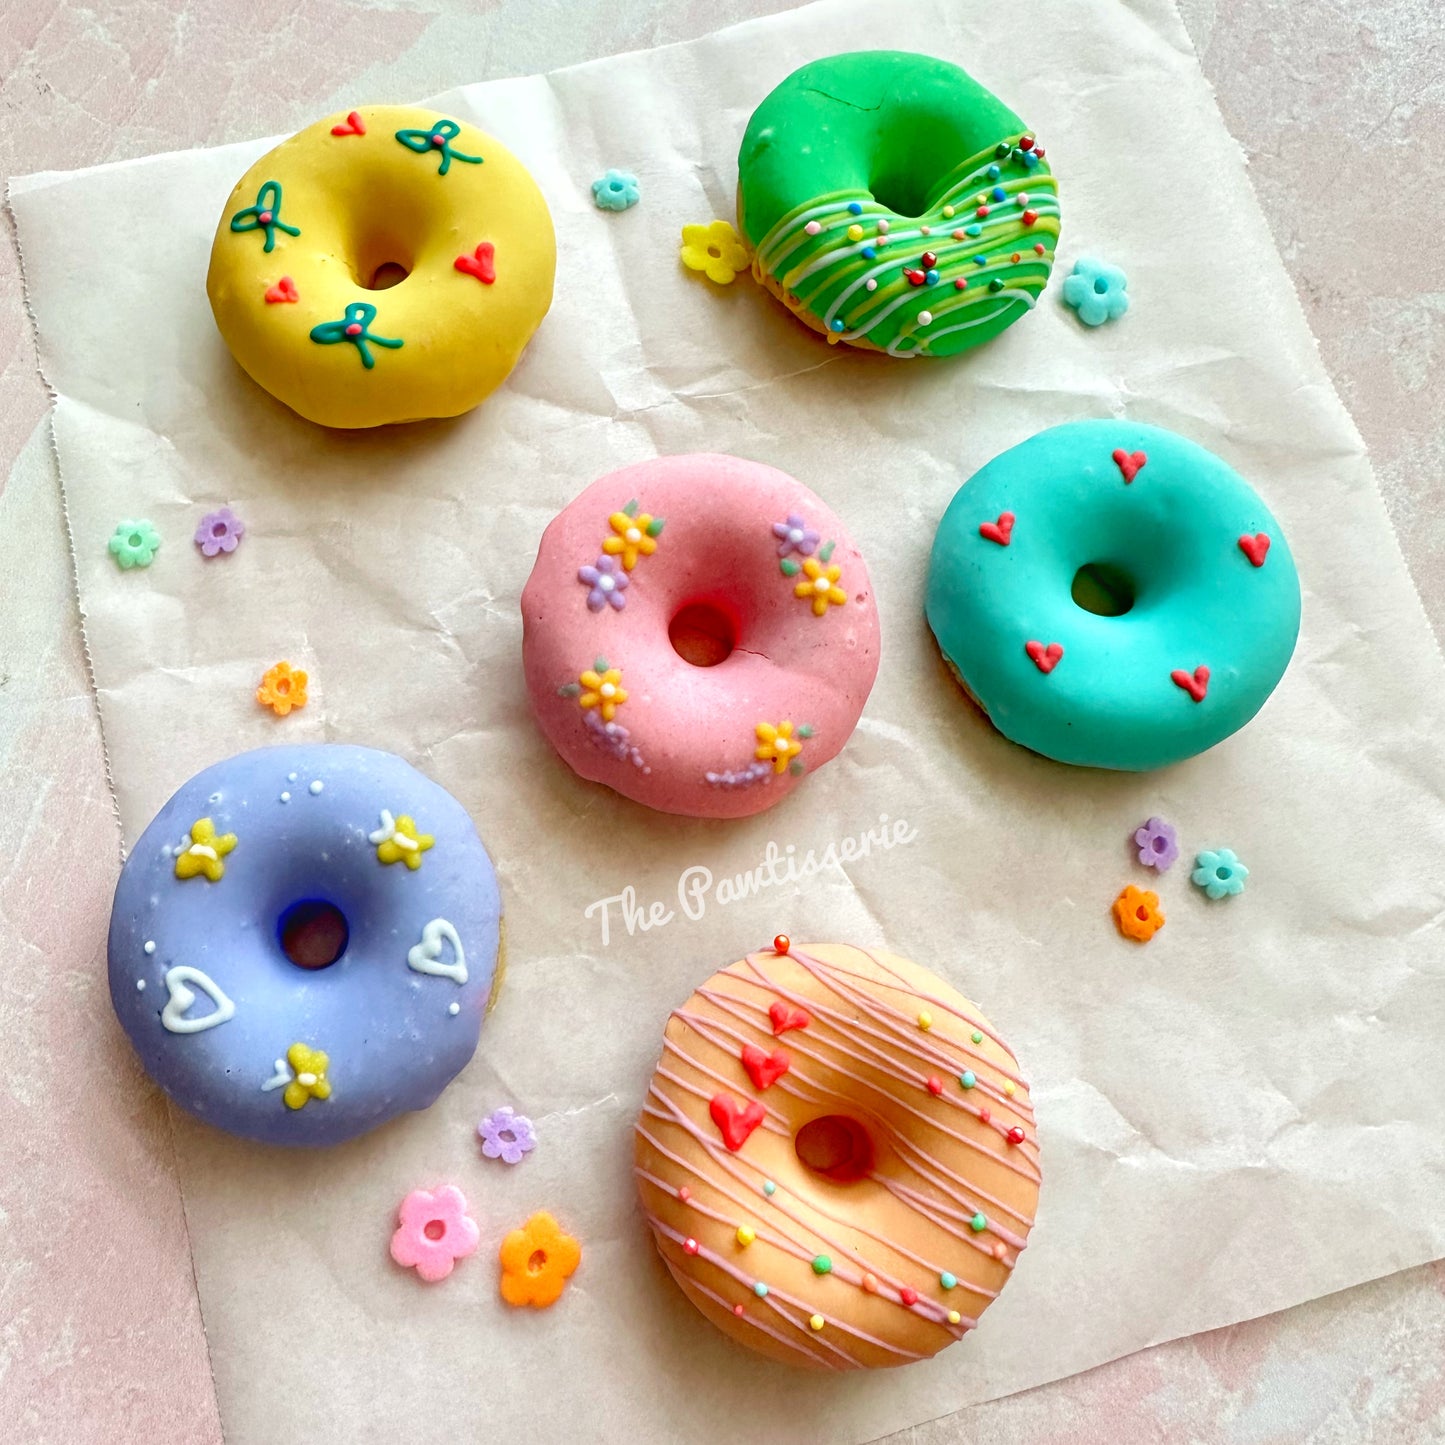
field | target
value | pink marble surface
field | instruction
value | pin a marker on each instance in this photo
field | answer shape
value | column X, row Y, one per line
column 1336, row 103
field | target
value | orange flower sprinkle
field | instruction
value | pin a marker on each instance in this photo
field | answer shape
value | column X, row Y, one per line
column 537, row 1260
column 282, row 688
column 1138, row 915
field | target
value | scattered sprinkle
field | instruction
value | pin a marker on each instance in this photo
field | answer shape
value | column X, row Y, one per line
column 978, row 1223
column 689, row 1245
column 760, row 1289
column 615, row 191
column 935, row 1084
column 967, row 1078
column 822, row 1264
column 1010, row 1088
column 954, row 1317
column 947, row 1280
column 454, row 1009
column 507, row 1135
column 684, row 1193
column 883, row 227
column 924, row 317
column 285, row 797
column 815, row 1322
column 908, row 1295
column 1015, row 1135
column 769, row 1187
column 133, row 544
column 316, row 787
column 855, row 208
column 1219, row 873
column 812, row 228
column 140, row 985
column 925, row 1020
column 870, row 1283
column 219, row 532
column 1137, row 913
column 746, row 1234
column 149, row 946
column 976, row 1037
column 282, row 688
column 855, row 232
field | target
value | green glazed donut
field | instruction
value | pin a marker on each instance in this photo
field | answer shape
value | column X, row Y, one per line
column 895, row 204
column 1113, row 595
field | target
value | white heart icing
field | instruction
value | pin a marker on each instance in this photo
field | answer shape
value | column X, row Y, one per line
column 181, row 997
column 424, row 956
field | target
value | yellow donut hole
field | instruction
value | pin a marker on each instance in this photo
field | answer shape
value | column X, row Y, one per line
column 385, row 264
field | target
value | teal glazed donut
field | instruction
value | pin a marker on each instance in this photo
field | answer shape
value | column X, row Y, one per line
column 1113, row 595
column 895, row 204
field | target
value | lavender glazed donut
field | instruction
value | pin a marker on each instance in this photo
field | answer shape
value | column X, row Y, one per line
column 303, row 943
column 699, row 632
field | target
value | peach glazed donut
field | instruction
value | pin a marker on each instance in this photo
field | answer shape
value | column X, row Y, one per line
column 837, row 1156
column 701, row 670
column 304, row 265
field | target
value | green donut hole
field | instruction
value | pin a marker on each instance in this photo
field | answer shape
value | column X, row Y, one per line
column 1103, row 589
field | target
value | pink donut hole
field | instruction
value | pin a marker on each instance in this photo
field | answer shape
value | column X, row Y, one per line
column 711, row 641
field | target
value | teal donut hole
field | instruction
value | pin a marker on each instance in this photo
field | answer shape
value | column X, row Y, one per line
column 313, row 933
column 1104, row 589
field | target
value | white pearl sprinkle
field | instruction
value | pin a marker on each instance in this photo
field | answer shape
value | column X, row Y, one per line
column 924, row 317
column 316, row 787
column 285, row 797
column 605, row 582
column 870, row 284
column 150, row 945
column 821, row 584
column 608, row 689
column 634, row 536
column 925, row 230
column 290, row 777
column 882, row 228
column 454, row 1009
column 140, row 985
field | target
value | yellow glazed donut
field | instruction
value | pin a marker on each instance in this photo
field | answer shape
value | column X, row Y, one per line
column 310, row 225
column 837, row 1156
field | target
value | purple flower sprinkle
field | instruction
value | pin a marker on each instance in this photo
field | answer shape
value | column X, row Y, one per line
column 1157, row 844
column 795, row 535
column 220, row 531
column 608, row 583
column 506, row 1135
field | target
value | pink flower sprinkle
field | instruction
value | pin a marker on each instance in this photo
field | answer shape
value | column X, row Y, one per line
column 435, row 1232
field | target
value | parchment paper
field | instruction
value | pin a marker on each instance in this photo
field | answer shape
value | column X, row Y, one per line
column 1241, row 1116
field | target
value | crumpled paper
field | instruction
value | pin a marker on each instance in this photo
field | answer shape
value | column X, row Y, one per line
column 1239, row 1117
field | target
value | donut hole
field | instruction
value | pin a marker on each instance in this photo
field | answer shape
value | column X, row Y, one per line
column 313, row 933
column 835, row 1146
column 387, row 275
column 703, row 634
column 1103, row 589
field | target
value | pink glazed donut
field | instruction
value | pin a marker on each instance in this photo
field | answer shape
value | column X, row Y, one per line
column 698, row 633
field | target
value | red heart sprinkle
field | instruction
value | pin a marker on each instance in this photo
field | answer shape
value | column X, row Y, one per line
column 908, row 1295
column 1255, row 547
column 1016, row 1135
column 765, row 1069
column 999, row 531
column 283, row 290
column 935, row 1086
column 1131, row 466
column 481, row 264
column 785, row 1017
column 352, row 125
column 1046, row 659
column 1195, row 686
column 735, row 1121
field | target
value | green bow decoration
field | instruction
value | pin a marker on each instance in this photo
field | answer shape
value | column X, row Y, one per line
column 265, row 215
column 353, row 328
column 438, row 138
